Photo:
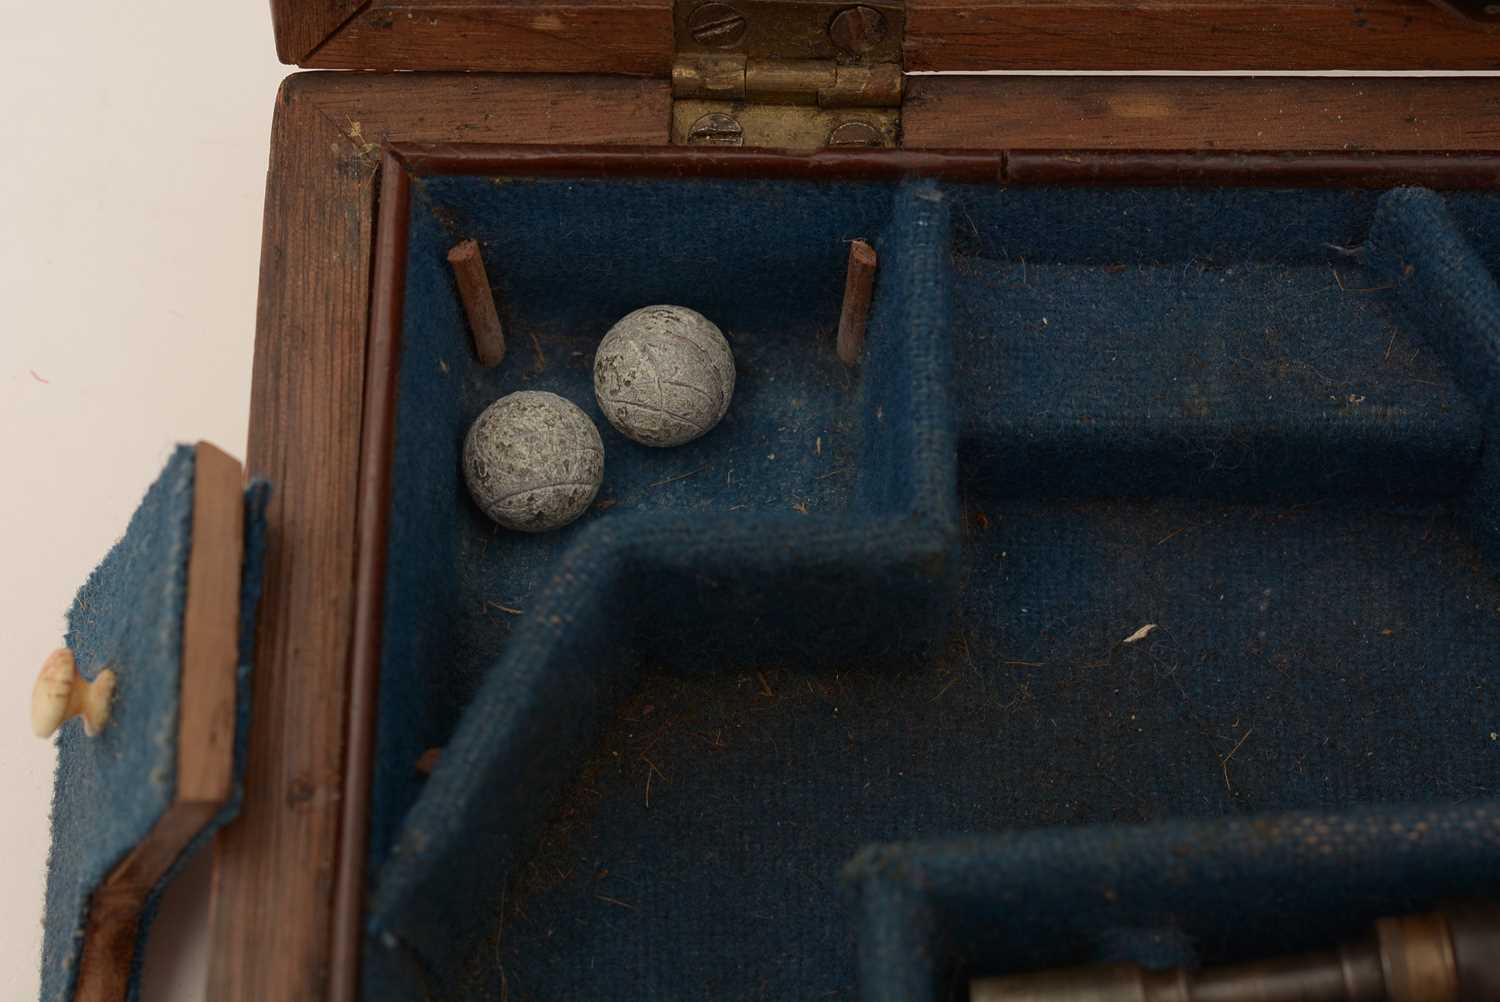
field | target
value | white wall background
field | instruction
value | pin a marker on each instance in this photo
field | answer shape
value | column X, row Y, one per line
column 133, row 147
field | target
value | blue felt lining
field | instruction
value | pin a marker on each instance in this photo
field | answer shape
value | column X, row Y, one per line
column 111, row 790
column 677, row 585
column 1248, row 380
column 1213, row 226
column 1176, row 893
column 1447, row 291
column 666, row 726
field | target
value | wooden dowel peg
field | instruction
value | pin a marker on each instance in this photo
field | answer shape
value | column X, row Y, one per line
column 428, row 761
column 859, row 285
column 62, row 693
column 479, row 302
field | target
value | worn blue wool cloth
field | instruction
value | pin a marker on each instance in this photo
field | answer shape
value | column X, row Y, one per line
column 794, row 576
column 1180, row 893
column 111, row 789
column 888, row 604
column 1442, row 270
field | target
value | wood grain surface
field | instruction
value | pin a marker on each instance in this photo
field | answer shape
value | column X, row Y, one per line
column 1279, row 168
column 1193, row 35
column 205, row 737
column 1202, row 113
column 376, row 109
column 635, row 36
column 273, row 871
column 300, row 26
column 211, row 630
column 510, row 36
column 271, row 938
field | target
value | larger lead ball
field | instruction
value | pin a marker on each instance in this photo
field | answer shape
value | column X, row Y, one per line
column 663, row 375
column 533, row 461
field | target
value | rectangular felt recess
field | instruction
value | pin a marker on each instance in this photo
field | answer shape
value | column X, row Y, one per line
column 889, row 603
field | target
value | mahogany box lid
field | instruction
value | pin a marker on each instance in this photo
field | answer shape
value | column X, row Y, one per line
column 636, row 37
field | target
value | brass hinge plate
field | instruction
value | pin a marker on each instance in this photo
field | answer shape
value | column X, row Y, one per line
column 790, row 74
column 782, row 126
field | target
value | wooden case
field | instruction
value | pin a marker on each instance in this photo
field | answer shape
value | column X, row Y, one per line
column 583, row 87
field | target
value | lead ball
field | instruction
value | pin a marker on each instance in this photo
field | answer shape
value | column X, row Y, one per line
column 533, row 461
column 664, row 375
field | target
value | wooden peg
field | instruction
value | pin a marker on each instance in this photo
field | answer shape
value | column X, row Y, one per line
column 859, row 285
column 479, row 303
column 428, row 761
column 62, row 693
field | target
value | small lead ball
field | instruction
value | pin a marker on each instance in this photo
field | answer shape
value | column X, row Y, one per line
column 533, row 461
column 664, row 375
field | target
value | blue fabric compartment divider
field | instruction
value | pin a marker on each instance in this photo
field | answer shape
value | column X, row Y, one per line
column 810, row 585
column 1447, row 292
column 888, row 603
column 1164, row 895
column 1184, row 893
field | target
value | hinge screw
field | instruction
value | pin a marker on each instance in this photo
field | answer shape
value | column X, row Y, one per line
column 855, row 134
column 857, row 30
column 716, row 129
column 716, row 25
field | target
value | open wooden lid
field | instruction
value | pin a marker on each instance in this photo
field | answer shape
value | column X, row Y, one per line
column 637, row 36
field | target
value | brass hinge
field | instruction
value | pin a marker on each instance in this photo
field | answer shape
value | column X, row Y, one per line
column 790, row 74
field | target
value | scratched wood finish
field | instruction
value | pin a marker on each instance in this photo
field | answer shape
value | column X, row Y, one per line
column 300, row 26
column 513, row 36
column 274, row 866
column 205, row 735
column 1193, row 35
column 1202, row 113
column 271, row 931
column 374, row 110
column 635, row 36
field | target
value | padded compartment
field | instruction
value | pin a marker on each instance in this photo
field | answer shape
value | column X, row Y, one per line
column 893, row 602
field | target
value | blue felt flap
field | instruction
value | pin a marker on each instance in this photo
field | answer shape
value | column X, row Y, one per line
column 110, row 790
